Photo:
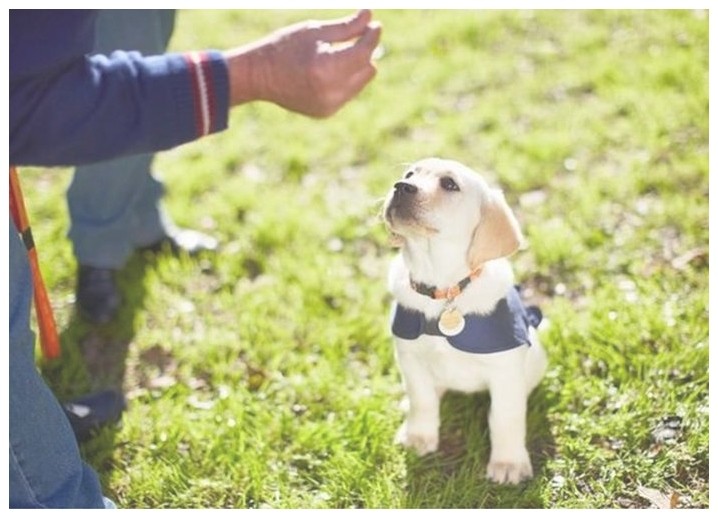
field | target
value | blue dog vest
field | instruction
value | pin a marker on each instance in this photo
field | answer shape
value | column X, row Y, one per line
column 506, row 327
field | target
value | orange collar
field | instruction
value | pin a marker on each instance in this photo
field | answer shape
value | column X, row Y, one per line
column 449, row 293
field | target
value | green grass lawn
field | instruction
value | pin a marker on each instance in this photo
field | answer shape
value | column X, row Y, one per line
column 264, row 376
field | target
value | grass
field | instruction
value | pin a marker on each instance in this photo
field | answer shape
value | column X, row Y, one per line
column 264, row 376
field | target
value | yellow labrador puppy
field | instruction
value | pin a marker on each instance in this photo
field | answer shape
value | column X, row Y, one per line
column 458, row 321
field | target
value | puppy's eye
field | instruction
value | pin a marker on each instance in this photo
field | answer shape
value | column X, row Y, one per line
column 448, row 184
column 409, row 174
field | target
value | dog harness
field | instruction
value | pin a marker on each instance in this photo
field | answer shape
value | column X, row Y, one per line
column 505, row 328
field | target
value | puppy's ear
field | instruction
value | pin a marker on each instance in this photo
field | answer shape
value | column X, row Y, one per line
column 498, row 233
column 395, row 240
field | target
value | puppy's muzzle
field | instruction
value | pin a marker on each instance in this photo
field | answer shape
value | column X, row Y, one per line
column 401, row 201
column 404, row 189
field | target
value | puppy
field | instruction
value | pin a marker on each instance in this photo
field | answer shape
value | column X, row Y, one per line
column 457, row 321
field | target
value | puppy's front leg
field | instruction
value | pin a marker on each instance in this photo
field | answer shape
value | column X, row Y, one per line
column 420, row 430
column 510, row 462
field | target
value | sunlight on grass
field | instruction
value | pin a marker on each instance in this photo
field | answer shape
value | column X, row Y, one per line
column 264, row 376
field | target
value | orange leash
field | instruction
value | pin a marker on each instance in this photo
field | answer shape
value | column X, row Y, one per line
column 49, row 340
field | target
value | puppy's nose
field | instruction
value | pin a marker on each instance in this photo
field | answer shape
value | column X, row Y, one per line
column 405, row 188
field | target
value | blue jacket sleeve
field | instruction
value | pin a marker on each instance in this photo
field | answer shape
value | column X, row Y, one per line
column 92, row 108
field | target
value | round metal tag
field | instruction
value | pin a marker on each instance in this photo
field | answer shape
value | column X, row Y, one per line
column 451, row 322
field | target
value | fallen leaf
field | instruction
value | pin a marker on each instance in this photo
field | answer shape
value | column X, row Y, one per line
column 674, row 500
column 658, row 498
column 697, row 254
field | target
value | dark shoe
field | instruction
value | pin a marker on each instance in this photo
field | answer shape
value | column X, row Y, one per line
column 89, row 413
column 184, row 240
column 97, row 296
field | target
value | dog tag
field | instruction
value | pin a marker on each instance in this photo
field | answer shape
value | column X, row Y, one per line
column 451, row 322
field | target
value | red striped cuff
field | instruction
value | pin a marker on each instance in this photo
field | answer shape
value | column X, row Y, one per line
column 203, row 90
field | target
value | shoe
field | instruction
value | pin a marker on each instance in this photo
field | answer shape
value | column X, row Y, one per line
column 98, row 298
column 90, row 413
column 183, row 240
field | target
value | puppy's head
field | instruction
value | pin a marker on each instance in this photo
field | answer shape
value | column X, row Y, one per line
column 444, row 199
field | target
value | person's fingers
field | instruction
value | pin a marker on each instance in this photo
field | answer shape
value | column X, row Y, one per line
column 356, row 55
column 344, row 29
column 341, row 96
column 359, row 80
column 369, row 40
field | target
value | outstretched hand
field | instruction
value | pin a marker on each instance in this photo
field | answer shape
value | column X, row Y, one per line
column 311, row 67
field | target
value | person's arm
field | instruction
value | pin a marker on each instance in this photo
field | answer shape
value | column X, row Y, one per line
column 95, row 108
column 67, row 107
column 101, row 107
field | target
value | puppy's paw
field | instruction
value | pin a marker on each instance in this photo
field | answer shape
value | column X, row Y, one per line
column 422, row 442
column 510, row 472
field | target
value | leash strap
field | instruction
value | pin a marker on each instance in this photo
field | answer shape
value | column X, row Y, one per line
column 49, row 339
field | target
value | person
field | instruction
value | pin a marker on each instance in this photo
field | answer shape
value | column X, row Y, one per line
column 70, row 107
column 115, row 208
column 115, row 205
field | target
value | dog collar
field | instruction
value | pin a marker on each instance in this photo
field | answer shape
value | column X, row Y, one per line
column 449, row 293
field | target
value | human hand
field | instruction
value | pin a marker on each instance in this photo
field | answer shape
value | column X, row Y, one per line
column 310, row 67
